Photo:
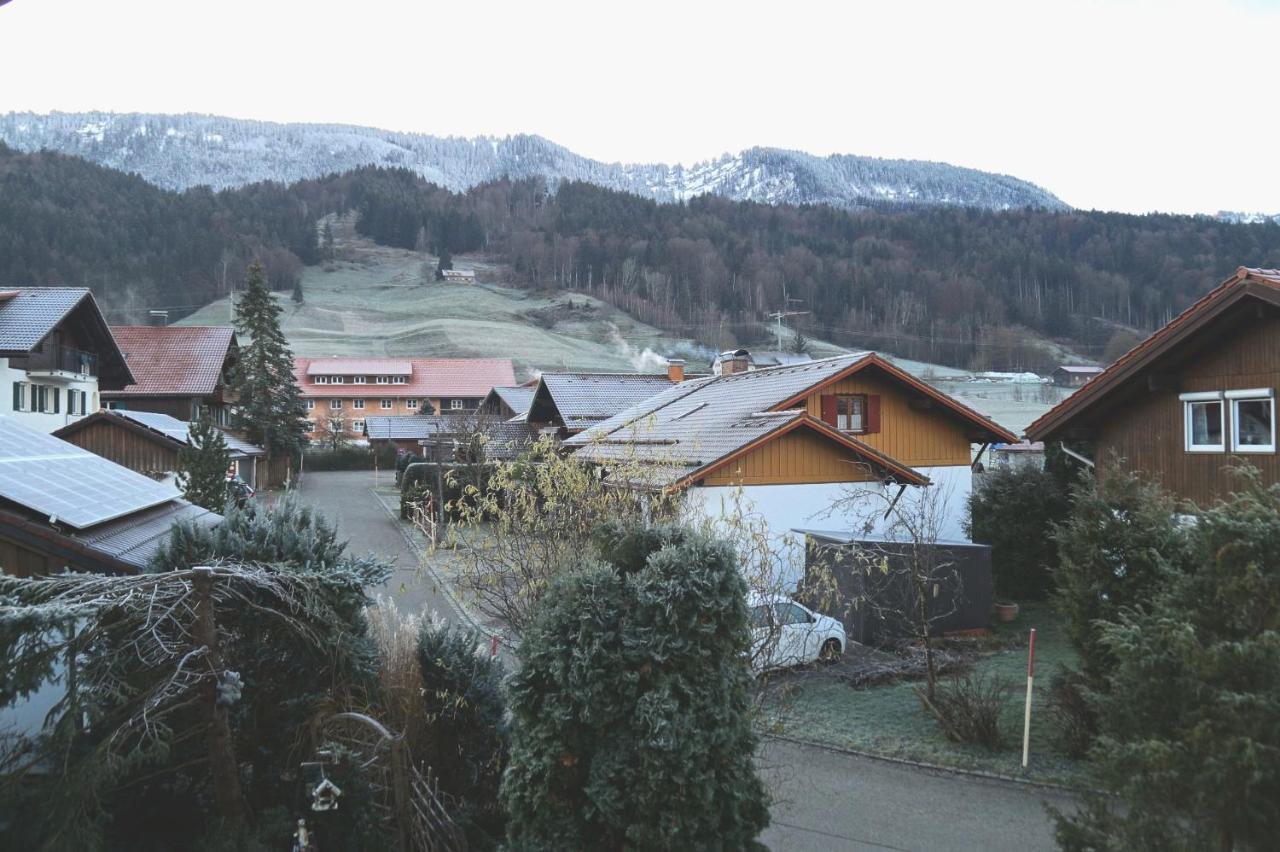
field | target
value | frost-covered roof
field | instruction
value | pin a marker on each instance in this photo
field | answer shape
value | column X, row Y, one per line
column 581, row 400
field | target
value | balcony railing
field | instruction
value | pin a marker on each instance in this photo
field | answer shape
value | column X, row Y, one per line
column 56, row 358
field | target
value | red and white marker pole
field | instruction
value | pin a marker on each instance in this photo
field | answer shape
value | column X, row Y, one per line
column 1026, row 721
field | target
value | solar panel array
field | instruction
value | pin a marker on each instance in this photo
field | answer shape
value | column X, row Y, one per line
column 51, row 477
column 162, row 423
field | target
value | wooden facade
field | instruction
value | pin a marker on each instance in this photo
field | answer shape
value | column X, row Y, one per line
column 1146, row 431
column 911, row 428
column 152, row 455
column 798, row 457
column 1136, row 415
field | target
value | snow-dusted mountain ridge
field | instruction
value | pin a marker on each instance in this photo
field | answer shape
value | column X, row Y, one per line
column 181, row 151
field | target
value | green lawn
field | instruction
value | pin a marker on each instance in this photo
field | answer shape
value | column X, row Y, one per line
column 888, row 720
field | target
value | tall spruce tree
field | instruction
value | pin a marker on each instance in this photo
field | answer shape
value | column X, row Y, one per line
column 202, row 466
column 631, row 720
column 270, row 406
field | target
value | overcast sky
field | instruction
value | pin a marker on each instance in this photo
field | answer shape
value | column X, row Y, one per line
column 1134, row 106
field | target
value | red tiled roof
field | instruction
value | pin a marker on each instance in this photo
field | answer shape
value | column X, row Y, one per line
column 172, row 360
column 431, row 378
column 1132, row 360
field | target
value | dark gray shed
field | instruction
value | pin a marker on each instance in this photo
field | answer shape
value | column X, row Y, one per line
column 958, row 607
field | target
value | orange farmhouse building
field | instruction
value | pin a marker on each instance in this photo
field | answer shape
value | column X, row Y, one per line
column 350, row 389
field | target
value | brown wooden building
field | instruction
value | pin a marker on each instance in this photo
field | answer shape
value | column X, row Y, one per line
column 149, row 443
column 1191, row 400
column 181, row 371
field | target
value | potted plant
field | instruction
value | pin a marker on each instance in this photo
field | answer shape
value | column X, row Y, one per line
column 1004, row 610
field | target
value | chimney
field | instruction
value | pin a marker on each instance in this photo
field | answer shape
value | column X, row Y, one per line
column 737, row 361
column 158, row 318
column 675, row 370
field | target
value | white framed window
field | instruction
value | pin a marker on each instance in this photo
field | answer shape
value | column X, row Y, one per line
column 1253, row 420
column 335, row 404
column 411, row 404
column 357, row 426
column 399, row 380
column 311, row 403
column 455, row 404
column 851, row 413
column 322, row 380
column 384, row 380
column 310, row 425
column 358, row 380
column 336, row 380
column 386, row 405
column 1204, row 421
column 357, row 403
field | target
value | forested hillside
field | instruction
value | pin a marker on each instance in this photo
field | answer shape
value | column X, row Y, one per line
column 952, row 285
column 958, row 286
column 67, row 222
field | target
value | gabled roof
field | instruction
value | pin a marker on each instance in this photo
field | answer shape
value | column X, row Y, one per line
column 173, row 360
column 1263, row 284
column 1079, row 368
column 428, row 377
column 160, row 428
column 29, row 314
column 581, row 400
column 515, row 398
column 695, row 427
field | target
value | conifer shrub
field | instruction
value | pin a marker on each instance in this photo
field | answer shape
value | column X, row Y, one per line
column 463, row 708
column 1119, row 545
column 1014, row 511
column 630, row 708
column 1187, row 714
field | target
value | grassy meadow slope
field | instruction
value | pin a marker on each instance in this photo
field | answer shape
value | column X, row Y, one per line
column 378, row 301
column 383, row 301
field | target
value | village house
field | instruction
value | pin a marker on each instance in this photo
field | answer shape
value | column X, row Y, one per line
column 787, row 443
column 505, row 403
column 181, row 371
column 1195, row 398
column 1074, row 375
column 56, row 356
column 149, row 443
column 565, row 404
column 349, row 390
column 63, row 507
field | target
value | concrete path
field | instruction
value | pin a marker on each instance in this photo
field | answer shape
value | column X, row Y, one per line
column 827, row 800
column 345, row 499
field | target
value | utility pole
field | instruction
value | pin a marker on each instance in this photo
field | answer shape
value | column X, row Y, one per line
column 783, row 313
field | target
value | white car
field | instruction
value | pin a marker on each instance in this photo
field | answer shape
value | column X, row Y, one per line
column 785, row 633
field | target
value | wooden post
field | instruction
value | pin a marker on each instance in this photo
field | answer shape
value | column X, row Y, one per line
column 1026, row 721
column 222, row 757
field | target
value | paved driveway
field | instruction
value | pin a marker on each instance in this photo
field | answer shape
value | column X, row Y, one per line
column 826, row 800
column 346, row 499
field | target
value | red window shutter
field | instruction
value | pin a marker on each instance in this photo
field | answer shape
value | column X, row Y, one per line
column 829, row 410
column 873, row 413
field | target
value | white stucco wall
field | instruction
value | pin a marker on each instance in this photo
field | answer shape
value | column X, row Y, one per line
column 784, row 508
column 44, row 421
